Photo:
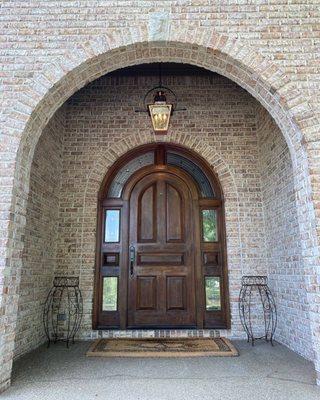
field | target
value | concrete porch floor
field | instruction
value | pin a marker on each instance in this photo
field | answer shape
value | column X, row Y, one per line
column 260, row 372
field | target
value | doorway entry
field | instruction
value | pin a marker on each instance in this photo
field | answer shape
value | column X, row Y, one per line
column 161, row 253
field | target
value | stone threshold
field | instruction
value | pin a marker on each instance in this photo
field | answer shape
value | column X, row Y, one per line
column 157, row 333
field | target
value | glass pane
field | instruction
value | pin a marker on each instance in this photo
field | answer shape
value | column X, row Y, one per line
column 213, row 299
column 160, row 116
column 194, row 170
column 112, row 226
column 110, row 293
column 127, row 170
column 209, row 225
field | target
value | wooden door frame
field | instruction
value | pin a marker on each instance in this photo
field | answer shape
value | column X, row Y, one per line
column 160, row 150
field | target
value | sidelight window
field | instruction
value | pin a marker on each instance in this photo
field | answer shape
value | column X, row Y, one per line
column 112, row 226
column 209, row 226
column 213, row 296
column 110, row 293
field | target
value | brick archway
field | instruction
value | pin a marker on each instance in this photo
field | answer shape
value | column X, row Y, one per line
column 51, row 87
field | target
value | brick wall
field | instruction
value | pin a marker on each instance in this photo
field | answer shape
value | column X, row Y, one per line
column 285, row 32
column 39, row 254
column 227, row 119
column 282, row 235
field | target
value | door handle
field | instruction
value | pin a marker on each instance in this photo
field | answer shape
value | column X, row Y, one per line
column 132, row 255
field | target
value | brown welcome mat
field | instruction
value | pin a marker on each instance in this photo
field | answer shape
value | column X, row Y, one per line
column 162, row 347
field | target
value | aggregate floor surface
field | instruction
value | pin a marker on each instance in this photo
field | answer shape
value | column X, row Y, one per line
column 260, row 372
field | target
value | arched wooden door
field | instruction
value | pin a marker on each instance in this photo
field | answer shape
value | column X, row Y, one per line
column 161, row 254
column 161, row 284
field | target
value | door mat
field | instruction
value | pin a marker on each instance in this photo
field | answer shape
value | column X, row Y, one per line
column 162, row 347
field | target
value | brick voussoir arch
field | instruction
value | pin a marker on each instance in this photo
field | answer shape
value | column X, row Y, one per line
column 115, row 150
column 49, row 89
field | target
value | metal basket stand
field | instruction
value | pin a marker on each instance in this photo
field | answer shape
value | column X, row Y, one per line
column 258, row 284
column 63, row 310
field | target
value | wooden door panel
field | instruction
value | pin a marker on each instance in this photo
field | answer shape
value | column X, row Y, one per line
column 111, row 259
column 174, row 215
column 176, row 293
column 146, row 293
column 211, row 258
column 147, row 215
column 160, row 259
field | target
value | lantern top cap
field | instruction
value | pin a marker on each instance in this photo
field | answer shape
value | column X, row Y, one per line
column 160, row 97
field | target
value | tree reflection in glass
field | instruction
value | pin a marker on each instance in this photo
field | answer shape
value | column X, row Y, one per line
column 110, row 293
column 213, row 298
column 209, row 226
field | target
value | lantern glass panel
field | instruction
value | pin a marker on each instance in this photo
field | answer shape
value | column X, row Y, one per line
column 160, row 116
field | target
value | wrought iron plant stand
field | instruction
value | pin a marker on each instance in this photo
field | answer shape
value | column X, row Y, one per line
column 63, row 310
column 257, row 285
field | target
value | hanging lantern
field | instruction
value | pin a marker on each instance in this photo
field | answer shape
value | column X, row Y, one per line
column 160, row 113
